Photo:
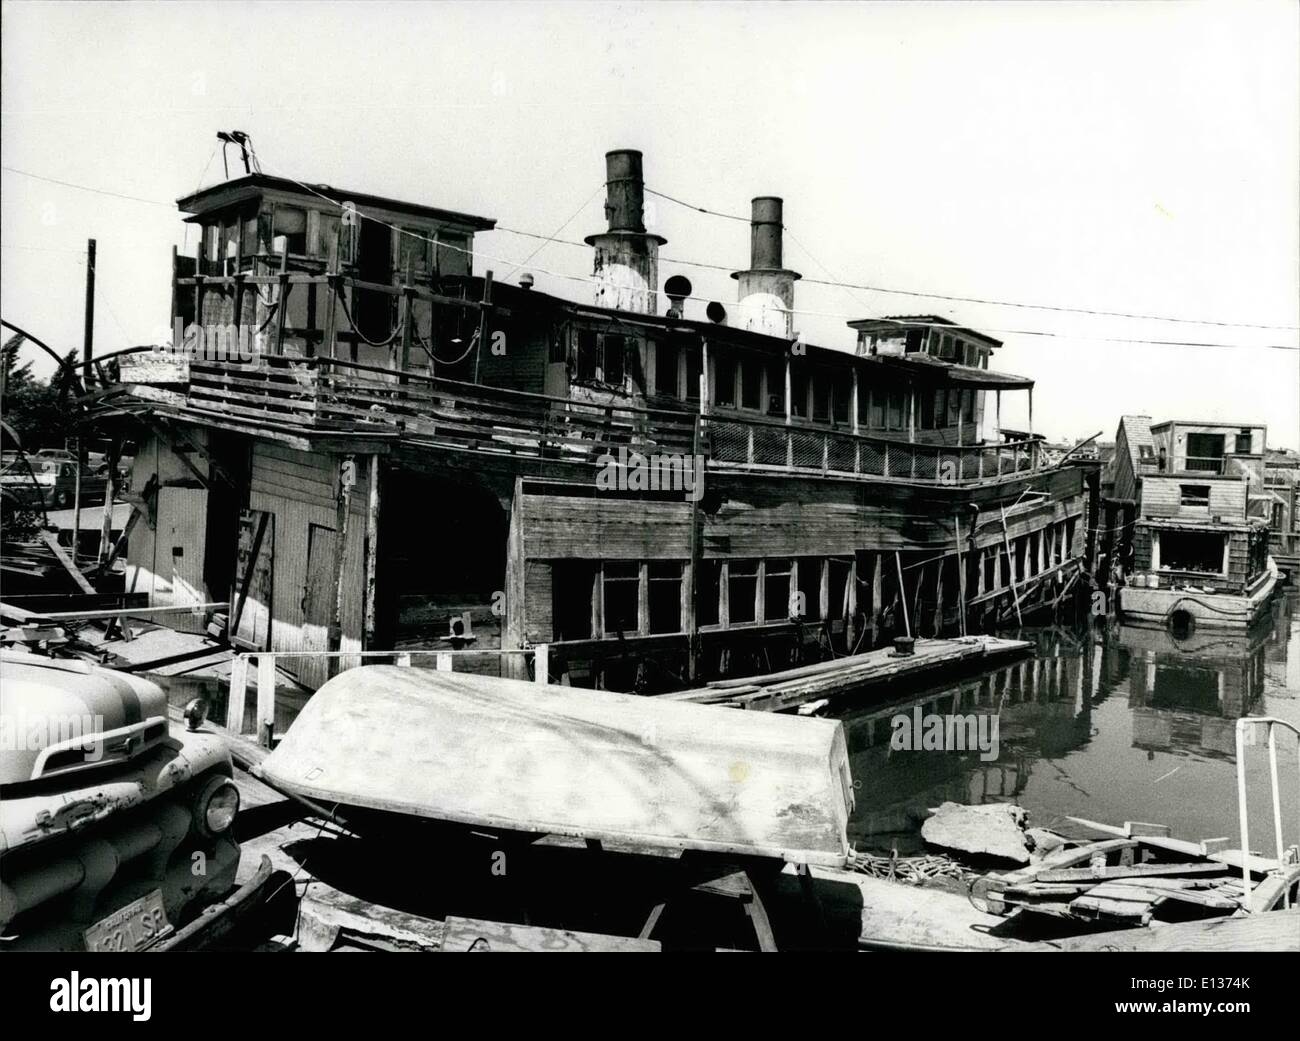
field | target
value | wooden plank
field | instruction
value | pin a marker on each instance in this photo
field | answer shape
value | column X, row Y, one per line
column 475, row 934
column 1274, row 931
column 238, row 692
column 1135, row 871
column 51, row 539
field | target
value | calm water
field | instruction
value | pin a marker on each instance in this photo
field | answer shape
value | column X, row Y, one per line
column 1114, row 725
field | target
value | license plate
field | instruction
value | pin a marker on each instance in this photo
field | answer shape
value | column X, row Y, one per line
column 130, row 928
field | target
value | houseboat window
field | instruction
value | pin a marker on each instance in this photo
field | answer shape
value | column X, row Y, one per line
column 968, row 405
column 665, row 596
column 1200, row 551
column 877, row 399
column 1164, row 459
column 840, row 401
column 798, row 391
column 810, row 587
column 413, row 249
column 751, row 384
column 929, row 406
column 572, row 583
column 1205, row 452
column 622, row 582
column 776, row 590
column 708, row 592
column 915, row 341
column 452, row 254
column 230, row 241
column 897, row 421
column 864, row 407
column 327, row 234
column 742, row 591
column 693, row 374
column 724, row 379
column 666, row 368
column 838, row 582
column 588, row 351
column 954, row 407
column 947, row 350
column 1244, row 442
column 291, row 222
column 776, row 388
column 614, row 363
column 1194, row 496
column 821, row 397
column 211, row 242
column 248, row 239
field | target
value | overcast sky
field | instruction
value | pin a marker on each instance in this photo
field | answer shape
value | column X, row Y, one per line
column 1140, row 158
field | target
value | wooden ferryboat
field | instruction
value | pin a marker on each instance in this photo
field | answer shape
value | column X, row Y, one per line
column 410, row 454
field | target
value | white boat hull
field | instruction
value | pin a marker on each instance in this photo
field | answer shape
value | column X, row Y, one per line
column 1207, row 610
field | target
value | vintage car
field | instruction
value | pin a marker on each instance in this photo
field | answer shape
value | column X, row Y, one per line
column 115, row 823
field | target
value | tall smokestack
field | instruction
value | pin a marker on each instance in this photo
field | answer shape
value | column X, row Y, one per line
column 765, row 293
column 627, row 256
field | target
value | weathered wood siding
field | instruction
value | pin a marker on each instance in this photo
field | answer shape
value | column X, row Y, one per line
column 1162, row 496
column 300, row 489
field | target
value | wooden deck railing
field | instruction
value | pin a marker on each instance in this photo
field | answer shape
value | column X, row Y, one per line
column 324, row 395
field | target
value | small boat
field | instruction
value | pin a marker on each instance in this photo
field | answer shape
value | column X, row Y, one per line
column 555, row 760
column 1184, row 605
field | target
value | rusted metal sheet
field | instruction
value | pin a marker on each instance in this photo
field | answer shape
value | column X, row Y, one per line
column 559, row 760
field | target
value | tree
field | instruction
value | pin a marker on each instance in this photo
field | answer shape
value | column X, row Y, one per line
column 36, row 409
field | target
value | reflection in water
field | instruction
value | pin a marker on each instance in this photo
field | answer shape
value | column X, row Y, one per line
column 1109, row 724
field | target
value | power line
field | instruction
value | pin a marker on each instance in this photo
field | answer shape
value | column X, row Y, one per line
column 588, row 280
column 86, row 188
column 981, row 300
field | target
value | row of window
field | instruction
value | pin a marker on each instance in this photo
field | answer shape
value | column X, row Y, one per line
column 313, row 233
column 610, row 598
column 758, row 385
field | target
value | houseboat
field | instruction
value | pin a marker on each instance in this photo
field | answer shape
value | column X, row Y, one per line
column 1199, row 559
column 400, row 452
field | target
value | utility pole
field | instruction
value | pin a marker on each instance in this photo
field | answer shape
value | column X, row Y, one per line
column 87, row 349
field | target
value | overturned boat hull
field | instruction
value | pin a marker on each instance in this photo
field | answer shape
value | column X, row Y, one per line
column 558, row 760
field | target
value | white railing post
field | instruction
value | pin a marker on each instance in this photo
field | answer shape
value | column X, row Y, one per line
column 542, row 663
column 443, row 662
column 238, row 689
column 266, row 698
column 402, row 661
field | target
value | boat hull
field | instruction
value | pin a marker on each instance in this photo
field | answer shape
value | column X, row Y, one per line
column 1207, row 610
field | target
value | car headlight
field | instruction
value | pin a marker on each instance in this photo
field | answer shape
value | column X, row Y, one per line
column 216, row 806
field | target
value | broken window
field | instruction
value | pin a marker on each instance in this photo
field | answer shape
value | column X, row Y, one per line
column 896, row 418
column 742, row 591
column 327, row 234
column 693, row 375
column 572, row 583
column 665, row 596
column 290, row 223
column 452, row 254
column 798, row 391
column 724, row 380
column 947, row 348
column 414, row 250
column 821, row 397
column 1244, row 443
column 751, row 384
column 666, row 368
column 1200, row 551
column 588, row 355
column 810, row 587
column 1194, row 496
column 776, row 388
column 776, row 590
column 708, row 592
column 621, row 585
column 614, row 362
column 840, row 402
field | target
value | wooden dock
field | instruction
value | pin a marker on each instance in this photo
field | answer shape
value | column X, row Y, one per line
column 858, row 673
